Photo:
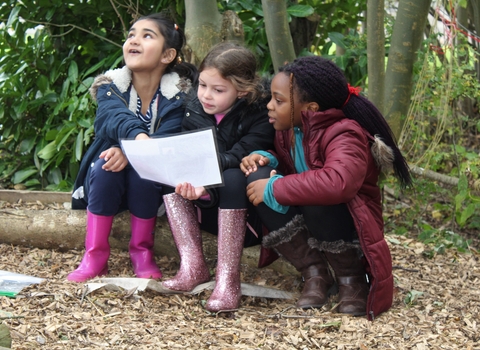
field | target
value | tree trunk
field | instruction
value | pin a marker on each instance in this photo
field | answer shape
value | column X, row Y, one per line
column 465, row 105
column 376, row 52
column 475, row 6
column 278, row 32
column 406, row 38
column 303, row 29
column 205, row 27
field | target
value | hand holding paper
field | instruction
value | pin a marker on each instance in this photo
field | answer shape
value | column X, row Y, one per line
column 186, row 157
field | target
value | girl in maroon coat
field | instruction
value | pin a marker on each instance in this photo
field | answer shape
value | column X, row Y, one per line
column 318, row 194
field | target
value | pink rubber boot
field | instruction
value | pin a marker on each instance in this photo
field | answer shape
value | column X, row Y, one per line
column 231, row 235
column 97, row 249
column 141, row 248
column 188, row 239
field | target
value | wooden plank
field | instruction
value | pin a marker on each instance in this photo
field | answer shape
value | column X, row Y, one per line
column 13, row 196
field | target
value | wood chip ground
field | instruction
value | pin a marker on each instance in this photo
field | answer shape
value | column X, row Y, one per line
column 436, row 306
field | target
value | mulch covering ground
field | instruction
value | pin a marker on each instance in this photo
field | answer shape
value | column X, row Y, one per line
column 436, row 306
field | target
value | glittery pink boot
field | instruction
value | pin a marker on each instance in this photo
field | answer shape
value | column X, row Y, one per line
column 231, row 235
column 188, row 239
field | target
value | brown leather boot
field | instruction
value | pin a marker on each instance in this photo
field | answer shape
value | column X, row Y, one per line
column 291, row 242
column 352, row 282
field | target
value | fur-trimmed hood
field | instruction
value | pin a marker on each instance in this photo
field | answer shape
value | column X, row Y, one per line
column 170, row 85
column 383, row 154
column 334, row 118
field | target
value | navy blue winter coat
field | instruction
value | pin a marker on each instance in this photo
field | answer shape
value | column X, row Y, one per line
column 115, row 119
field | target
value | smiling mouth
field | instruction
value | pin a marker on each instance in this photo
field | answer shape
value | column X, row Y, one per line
column 133, row 51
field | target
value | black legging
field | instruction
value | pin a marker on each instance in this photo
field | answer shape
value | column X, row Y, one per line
column 232, row 194
column 326, row 223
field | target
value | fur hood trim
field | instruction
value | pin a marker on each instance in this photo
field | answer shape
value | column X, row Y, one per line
column 335, row 247
column 383, row 154
column 170, row 85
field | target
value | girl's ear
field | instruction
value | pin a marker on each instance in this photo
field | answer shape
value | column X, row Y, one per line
column 168, row 56
column 242, row 94
column 313, row 106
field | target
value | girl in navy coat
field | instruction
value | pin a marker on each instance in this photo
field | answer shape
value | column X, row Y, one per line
column 143, row 98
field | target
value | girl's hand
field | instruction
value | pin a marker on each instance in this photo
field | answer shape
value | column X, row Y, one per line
column 249, row 163
column 114, row 158
column 142, row 136
column 189, row 192
column 256, row 189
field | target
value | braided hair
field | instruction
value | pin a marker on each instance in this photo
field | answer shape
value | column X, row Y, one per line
column 316, row 79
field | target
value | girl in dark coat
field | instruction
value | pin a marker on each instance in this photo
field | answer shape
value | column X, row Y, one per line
column 142, row 98
column 322, row 203
column 229, row 98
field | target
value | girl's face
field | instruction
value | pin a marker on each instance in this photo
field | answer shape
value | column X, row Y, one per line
column 279, row 107
column 216, row 94
column 143, row 49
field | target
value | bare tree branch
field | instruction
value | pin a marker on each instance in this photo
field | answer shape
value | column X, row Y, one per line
column 75, row 27
column 445, row 179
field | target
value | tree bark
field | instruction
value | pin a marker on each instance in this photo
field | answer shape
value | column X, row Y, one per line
column 64, row 229
column 406, row 39
column 303, row 29
column 475, row 6
column 376, row 52
column 465, row 105
column 205, row 27
column 278, row 32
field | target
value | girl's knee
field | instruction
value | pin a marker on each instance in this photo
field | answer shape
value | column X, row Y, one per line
column 261, row 173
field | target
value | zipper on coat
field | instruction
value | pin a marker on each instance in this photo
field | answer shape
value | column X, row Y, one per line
column 119, row 96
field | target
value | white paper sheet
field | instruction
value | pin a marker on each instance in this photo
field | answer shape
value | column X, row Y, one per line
column 187, row 157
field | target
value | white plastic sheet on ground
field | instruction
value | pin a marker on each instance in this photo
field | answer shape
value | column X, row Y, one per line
column 140, row 284
column 12, row 283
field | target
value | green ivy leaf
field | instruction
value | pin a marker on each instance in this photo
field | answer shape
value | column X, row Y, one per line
column 300, row 10
column 13, row 16
column 48, row 151
column 73, row 72
column 79, row 145
column 467, row 213
column 337, row 38
column 42, row 83
column 55, row 176
column 27, row 145
column 21, row 175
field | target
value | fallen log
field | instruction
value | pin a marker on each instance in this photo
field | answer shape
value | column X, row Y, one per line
column 64, row 229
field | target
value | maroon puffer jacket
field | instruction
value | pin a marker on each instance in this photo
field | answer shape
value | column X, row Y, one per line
column 342, row 170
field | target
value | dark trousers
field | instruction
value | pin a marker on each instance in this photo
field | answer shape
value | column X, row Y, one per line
column 113, row 192
column 326, row 223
